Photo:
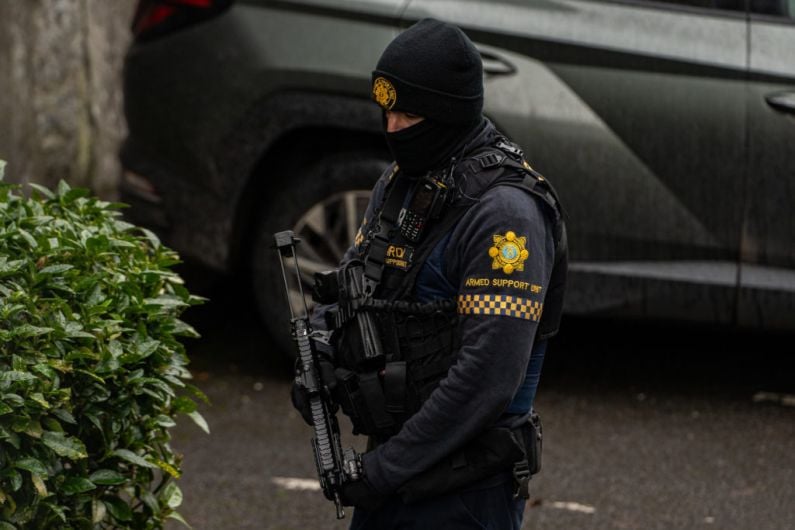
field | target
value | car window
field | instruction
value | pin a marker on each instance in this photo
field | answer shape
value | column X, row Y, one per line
column 780, row 8
column 733, row 5
column 727, row 5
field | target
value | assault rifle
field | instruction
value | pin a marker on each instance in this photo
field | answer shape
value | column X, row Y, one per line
column 335, row 466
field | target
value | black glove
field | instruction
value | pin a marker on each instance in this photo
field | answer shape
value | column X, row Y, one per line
column 361, row 494
column 328, row 380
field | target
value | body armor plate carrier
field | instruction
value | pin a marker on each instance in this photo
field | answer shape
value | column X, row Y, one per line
column 416, row 341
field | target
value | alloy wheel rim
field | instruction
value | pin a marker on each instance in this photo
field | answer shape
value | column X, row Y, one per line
column 326, row 230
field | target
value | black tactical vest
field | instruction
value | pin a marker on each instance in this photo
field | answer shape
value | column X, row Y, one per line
column 420, row 340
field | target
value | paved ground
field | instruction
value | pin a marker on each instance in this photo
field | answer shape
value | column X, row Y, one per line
column 646, row 427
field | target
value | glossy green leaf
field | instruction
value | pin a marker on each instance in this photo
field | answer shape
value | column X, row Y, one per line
column 118, row 509
column 133, row 458
column 172, row 495
column 56, row 269
column 98, row 511
column 178, row 517
column 57, row 510
column 199, row 420
column 39, row 485
column 29, row 239
column 185, row 405
column 31, row 464
column 73, row 485
column 44, row 192
column 15, row 375
column 64, row 445
column 13, row 477
column 107, row 477
column 64, row 415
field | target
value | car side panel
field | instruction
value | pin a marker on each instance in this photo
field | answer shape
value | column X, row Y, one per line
column 637, row 115
column 767, row 294
column 213, row 119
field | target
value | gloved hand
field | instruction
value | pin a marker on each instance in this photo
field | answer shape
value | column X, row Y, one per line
column 298, row 394
column 361, row 494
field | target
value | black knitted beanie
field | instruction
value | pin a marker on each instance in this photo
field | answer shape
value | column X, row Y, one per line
column 433, row 70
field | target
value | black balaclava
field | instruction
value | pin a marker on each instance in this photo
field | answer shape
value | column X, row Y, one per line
column 428, row 145
column 432, row 70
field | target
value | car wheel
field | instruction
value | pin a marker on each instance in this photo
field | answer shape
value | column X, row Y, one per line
column 324, row 204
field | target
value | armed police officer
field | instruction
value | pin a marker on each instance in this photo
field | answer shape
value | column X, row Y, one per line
column 439, row 315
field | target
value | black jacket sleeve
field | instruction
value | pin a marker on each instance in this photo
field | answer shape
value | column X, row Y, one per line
column 500, row 255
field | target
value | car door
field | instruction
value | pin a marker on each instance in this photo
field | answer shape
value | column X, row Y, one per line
column 767, row 295
column 636, row 111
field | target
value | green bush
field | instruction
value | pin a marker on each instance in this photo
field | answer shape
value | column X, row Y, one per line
column 91, row 372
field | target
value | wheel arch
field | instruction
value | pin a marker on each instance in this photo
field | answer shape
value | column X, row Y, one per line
column 298, row 129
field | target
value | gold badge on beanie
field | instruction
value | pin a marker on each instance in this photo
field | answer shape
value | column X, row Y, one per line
column 384, row 93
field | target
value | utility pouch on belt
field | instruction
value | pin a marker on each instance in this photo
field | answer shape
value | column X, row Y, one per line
column 497, row 450
column 492, row 452
column 531, row 437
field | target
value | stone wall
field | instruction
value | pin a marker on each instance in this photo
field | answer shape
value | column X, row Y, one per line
column 60, row 90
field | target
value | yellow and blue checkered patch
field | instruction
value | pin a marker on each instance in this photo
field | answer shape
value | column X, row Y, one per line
column 501, row 305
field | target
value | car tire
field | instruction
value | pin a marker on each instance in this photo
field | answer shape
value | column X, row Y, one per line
column 323, row 203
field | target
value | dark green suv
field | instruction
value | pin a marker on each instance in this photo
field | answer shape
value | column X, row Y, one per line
column 667, row 128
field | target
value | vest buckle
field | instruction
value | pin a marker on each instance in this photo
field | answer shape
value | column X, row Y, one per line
column 489, row 160
column 521, row 474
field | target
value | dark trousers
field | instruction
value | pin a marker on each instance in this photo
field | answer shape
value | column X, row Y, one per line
column 492, row 508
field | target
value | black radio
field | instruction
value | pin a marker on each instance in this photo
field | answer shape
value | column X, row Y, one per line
column 427, row 200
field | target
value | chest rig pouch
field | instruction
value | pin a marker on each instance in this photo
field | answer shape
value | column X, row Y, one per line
column 393, row 351
column 391, row 355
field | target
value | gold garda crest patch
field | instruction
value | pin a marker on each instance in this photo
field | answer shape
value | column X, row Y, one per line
column 384, row 93
column 509, row 252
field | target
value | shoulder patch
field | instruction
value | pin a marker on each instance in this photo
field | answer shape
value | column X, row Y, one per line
column 508, row 252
